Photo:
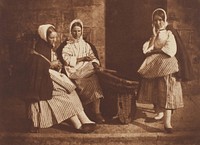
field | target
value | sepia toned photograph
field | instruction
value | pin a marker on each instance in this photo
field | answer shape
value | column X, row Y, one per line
column 100, row 72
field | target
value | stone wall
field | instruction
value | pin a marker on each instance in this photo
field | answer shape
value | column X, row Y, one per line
column 184, row 15
column 22, row 17
column 26, row 15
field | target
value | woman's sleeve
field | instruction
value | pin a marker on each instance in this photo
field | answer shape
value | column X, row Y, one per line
column 170, row 48
column 146, row 47
column 91, row 54
column 68, row 56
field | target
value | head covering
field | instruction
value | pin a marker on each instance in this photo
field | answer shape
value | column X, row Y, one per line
column 165, row 14
column 70, row 28
column 42, row 31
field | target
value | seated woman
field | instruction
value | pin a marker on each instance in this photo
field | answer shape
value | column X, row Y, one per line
column 49, row 103
column 79, row 60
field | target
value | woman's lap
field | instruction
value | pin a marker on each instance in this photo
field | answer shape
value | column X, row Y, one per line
column 61, row 107
column 89, row 89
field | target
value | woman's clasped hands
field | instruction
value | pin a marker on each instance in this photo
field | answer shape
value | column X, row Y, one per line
column 56, row 64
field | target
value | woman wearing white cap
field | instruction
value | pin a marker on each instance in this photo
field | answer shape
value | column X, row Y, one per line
column 79, row 60
column 50, row 102
column 159, row 84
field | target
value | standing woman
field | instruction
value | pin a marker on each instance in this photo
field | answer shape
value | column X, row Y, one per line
column 48, row 102
column 79, row 60
column 159, row 84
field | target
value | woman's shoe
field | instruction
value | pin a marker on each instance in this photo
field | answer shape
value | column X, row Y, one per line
column 86, row 128
column 152, row 120
column 98, row 118
column 89, row 127
column 159, row 116
column 31, row 128
column 168, row 130
column 34, row 129
column 79, row 130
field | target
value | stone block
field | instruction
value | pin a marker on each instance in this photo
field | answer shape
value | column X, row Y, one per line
column 82, row 3
column 49, row 4
column 99, row 35
column 29, row 16
column 98, row 16
column 85, row 14
column 98, row 2
column 45, row 16
column 92, row 16
column 87, row 34
column 17, row 5
column 67, row 16
column 101, row 54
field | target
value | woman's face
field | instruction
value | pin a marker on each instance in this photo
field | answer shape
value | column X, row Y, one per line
column 158, row 22
column 52, row 38
column 76, row 32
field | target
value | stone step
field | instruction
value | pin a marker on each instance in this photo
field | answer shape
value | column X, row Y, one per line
column 139, row 132
column 178, row 138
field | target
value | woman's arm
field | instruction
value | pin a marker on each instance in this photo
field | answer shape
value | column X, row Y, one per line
column 155, row 51
column 68, row 56
column 147, row 47
column 85, row 58
column 91, row 54
column 170, row 47
column 56, row 64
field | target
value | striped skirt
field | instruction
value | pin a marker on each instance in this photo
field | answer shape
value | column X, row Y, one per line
column 164, row 92
column 62, row 106
column 88, row 89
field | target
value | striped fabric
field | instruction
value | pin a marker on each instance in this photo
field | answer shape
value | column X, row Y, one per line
column 164, row 92
column 158, row 65
column 62, row 80
column 61, row 107
column 85, row 71
column 88, row 89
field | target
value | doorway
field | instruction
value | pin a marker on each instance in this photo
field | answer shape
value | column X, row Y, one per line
column 128, row 26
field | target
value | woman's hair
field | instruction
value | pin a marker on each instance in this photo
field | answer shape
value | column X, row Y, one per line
column 50, row 30
column 76, row 24
column 159, row 13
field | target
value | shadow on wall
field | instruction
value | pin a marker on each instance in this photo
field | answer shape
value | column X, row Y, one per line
column 128, row 26
column 13, row 67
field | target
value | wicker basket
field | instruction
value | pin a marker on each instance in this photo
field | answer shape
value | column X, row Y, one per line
column 120, row 91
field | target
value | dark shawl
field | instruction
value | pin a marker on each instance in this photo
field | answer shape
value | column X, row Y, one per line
column 39, row 84
column 185, row 67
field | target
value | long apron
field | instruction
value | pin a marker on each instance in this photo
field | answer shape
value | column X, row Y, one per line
column 62, row 106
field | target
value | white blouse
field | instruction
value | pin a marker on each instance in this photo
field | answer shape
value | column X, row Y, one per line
column 157, row 65
column 74, row 50
column 165, row 41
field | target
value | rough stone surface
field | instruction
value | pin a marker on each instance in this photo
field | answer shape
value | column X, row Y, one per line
column 184, row 17
column 28, row 15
